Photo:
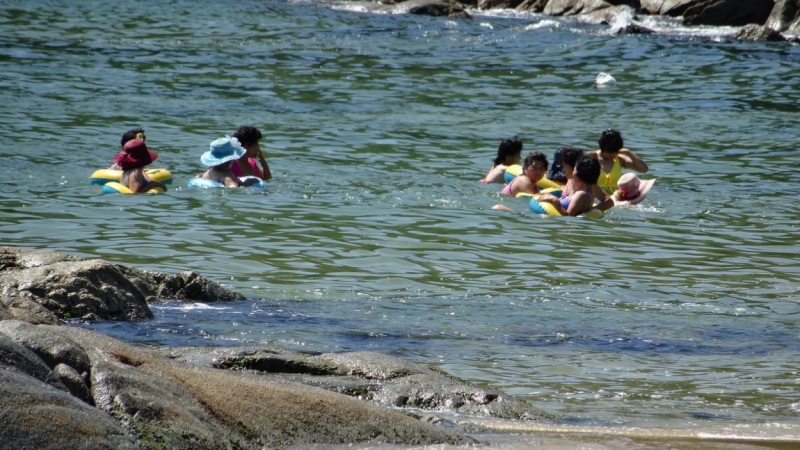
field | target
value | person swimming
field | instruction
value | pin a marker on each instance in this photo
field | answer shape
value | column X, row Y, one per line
column 509, row 152
column 136, row 133
column 221, row 156
column 613, row 156
column 587, row 169
column 534, row 169
column 131, row 160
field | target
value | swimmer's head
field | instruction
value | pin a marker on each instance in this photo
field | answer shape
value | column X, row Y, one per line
column 136, row 133
column 509, row 149
column 587, row 169
column 610, row 141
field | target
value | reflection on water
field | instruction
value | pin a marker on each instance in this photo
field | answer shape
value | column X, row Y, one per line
column 375, row 234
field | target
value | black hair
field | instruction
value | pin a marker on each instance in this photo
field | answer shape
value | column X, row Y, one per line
column 507, row 147
column 130, row 135
column 587, row 169
column 247, row 134
column 610, row 141
column 533, row 157
column 571, row 155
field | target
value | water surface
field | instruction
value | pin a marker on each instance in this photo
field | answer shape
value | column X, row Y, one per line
column 375, row 234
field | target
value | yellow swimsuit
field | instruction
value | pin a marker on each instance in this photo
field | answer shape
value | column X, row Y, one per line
column 608, row 181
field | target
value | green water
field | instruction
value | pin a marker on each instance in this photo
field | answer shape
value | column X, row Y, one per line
column 375, row 233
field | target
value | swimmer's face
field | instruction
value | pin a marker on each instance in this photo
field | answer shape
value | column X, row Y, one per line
column 252, row 149
column 536, row 171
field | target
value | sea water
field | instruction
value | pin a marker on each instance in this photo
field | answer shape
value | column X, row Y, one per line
column 680, row 314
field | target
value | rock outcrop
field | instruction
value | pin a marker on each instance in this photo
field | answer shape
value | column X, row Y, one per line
column 43, row 287
column 755, row 32
column 145, row 400
column 785, row 16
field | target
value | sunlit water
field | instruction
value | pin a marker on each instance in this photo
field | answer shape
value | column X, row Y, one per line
column 375, row 234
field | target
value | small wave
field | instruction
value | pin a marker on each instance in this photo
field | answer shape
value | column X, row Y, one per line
column 190, row 307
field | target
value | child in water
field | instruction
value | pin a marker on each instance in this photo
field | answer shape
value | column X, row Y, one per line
column 533, row 169
column 584, row 179
column 248, row 136
column 132, row 160
column 509, row 152
column 136, row 133
column 220, row 158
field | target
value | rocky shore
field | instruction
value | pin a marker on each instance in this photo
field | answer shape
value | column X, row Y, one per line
column 773, row 20
column 68, row 387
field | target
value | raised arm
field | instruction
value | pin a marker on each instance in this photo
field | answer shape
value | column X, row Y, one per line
column 632, row 161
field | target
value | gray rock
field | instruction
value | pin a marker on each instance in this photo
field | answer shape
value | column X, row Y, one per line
column 380, row 379
column 74, row 381
column 784, row 15
column 36, row 415
column 41, row 287
column 168, row 403
column 755, row 32
column 50, row 345
column 15, row 357
column 672, row 8
column 573, row 7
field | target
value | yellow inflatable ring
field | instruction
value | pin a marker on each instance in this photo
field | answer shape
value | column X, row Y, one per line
column 547, row 208
column 112, row 187
column 515, row 170
column 104, row 176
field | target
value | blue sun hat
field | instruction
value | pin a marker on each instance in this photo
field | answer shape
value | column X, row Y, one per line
column 222, row 150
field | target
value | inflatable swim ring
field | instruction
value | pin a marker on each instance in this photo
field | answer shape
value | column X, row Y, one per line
column 206, row 183
column 548, row 209
column 104, row 176
column 515, row 170
column 112, row 187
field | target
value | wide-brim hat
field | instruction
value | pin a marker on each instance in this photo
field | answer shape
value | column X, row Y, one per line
column 222, row 150
column 631, row 190
column 135, row 154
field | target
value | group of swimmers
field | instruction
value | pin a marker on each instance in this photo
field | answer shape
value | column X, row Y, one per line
column 584, row 176
column 228, row 160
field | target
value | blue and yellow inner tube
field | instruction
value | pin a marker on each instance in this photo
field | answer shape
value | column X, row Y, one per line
column 104, row 176
column 515, row 170
column 205, row 183
column 112, row 187
column 547, row 208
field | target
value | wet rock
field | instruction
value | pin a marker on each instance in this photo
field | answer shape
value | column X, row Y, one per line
column 532, row 5
column 43, row 287
column 453, row 10
column 191, row 286
column 755, row 32
column 784, row 15
column 728, row 12
column 633, row 28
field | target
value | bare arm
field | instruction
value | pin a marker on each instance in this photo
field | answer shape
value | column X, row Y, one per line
column 264, row 166
column 578, row 204
column 632, row 161
column 606, row 201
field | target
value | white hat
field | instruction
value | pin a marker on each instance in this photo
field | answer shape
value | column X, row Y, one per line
column 631, row 190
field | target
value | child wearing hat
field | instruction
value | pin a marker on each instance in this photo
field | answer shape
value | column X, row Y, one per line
column 220, row 158
column 132, row 160
column 136, row 133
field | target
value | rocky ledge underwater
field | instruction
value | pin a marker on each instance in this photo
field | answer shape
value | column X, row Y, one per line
column 68, row 387
column 761, row 20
